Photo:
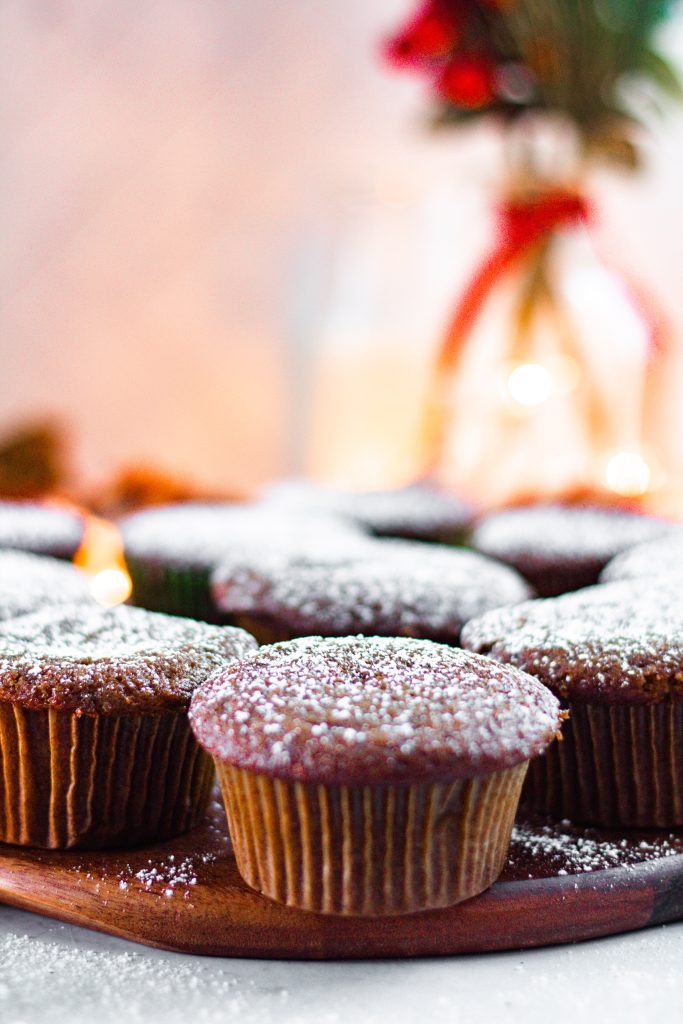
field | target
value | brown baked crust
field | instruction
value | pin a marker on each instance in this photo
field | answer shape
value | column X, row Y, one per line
column 121, row 660
column 616, row 643
column 561, row 548
column 384, row 588
column 42, row 529
column 420, row 511
column 357, row 710
column 29, row 582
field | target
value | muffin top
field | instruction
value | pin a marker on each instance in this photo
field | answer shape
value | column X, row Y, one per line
column 417, row 512
column 29, row 582
column 111, row 661
column 616, row 643
column 195, row 535
column 545, row 541
column 662, row 557
column 372, row 710
column 389, row 588
column 43, row 529
column 246, row 573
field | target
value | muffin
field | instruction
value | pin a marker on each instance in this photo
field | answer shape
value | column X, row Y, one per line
column 561, row 548
column 95, row 745
column 30, row 582
column 388, row 588
column 658, row 559
column 613, row 654
column 42, row 529
column 371, row 776
column 418, row 512
column 171, row 551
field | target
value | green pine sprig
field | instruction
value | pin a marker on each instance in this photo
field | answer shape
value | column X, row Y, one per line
column 591, row 61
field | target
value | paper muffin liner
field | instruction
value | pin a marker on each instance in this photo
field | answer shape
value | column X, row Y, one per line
column 264, row 629
column 172, row 590
column 83, row 781
column 370, row 850
column 618, row 765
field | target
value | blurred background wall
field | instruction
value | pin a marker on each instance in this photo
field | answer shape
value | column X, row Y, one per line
column 177, row 182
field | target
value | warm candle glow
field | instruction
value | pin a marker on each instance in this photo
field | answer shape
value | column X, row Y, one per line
column 629, row 474
column 101, row 559
column 530, row 384
column 110, row 587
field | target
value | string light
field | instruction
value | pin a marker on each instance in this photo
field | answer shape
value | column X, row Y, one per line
column 530, row 385
column 110, row 587
column 629, row 474
column 101, row 559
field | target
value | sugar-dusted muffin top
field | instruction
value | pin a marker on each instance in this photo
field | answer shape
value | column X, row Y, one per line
column 418, row 512
column 372, row 710
column 658, row 558
column 196, row 535
column 42, row 529
column 387, row 588
column 111, row 661
column 610, row 644
column 562, row 547
column 29, row 582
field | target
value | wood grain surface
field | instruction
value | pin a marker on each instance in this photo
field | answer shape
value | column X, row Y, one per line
column 560, row 885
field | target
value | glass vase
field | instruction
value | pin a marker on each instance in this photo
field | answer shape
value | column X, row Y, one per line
column 543, row 384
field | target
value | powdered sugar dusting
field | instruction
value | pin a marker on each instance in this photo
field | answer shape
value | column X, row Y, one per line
column 43, row 529
column 383, row 588
column 563, row 849
column 65, row 980
column 246, row 572
column 663, row 557
column 617, row 642
column 94, row 659
column 564, row 531
column 29, row 582
column 417, row 511
column 165, row 875
column 199, row 535
column 372, row 709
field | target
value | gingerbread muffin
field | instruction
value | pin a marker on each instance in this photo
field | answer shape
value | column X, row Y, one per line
column 171, row 551
column 95, row 746
column 418, row 512
column 41, row 529
column 385, row 588
column 31, row 582
column 655, row 560
column 561, row 548
column 614, row 655
column 371, row 776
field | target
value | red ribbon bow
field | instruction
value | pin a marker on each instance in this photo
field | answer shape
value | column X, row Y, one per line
column 522, row 224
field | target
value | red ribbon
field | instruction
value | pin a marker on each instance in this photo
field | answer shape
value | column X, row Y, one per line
column 523, row 223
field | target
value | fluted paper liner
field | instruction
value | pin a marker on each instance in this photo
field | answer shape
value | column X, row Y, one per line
column 263, row 628
column 617, row 765
column 86, row 781
column 172, row 590
column 370, row 850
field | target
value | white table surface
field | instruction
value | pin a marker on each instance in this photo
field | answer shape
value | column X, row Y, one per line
column 57, row 973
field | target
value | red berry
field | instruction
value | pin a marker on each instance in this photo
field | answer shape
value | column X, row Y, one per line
column 467, row 81
column 430, row 34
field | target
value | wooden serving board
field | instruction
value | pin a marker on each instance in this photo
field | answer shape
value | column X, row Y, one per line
column 561, row 884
